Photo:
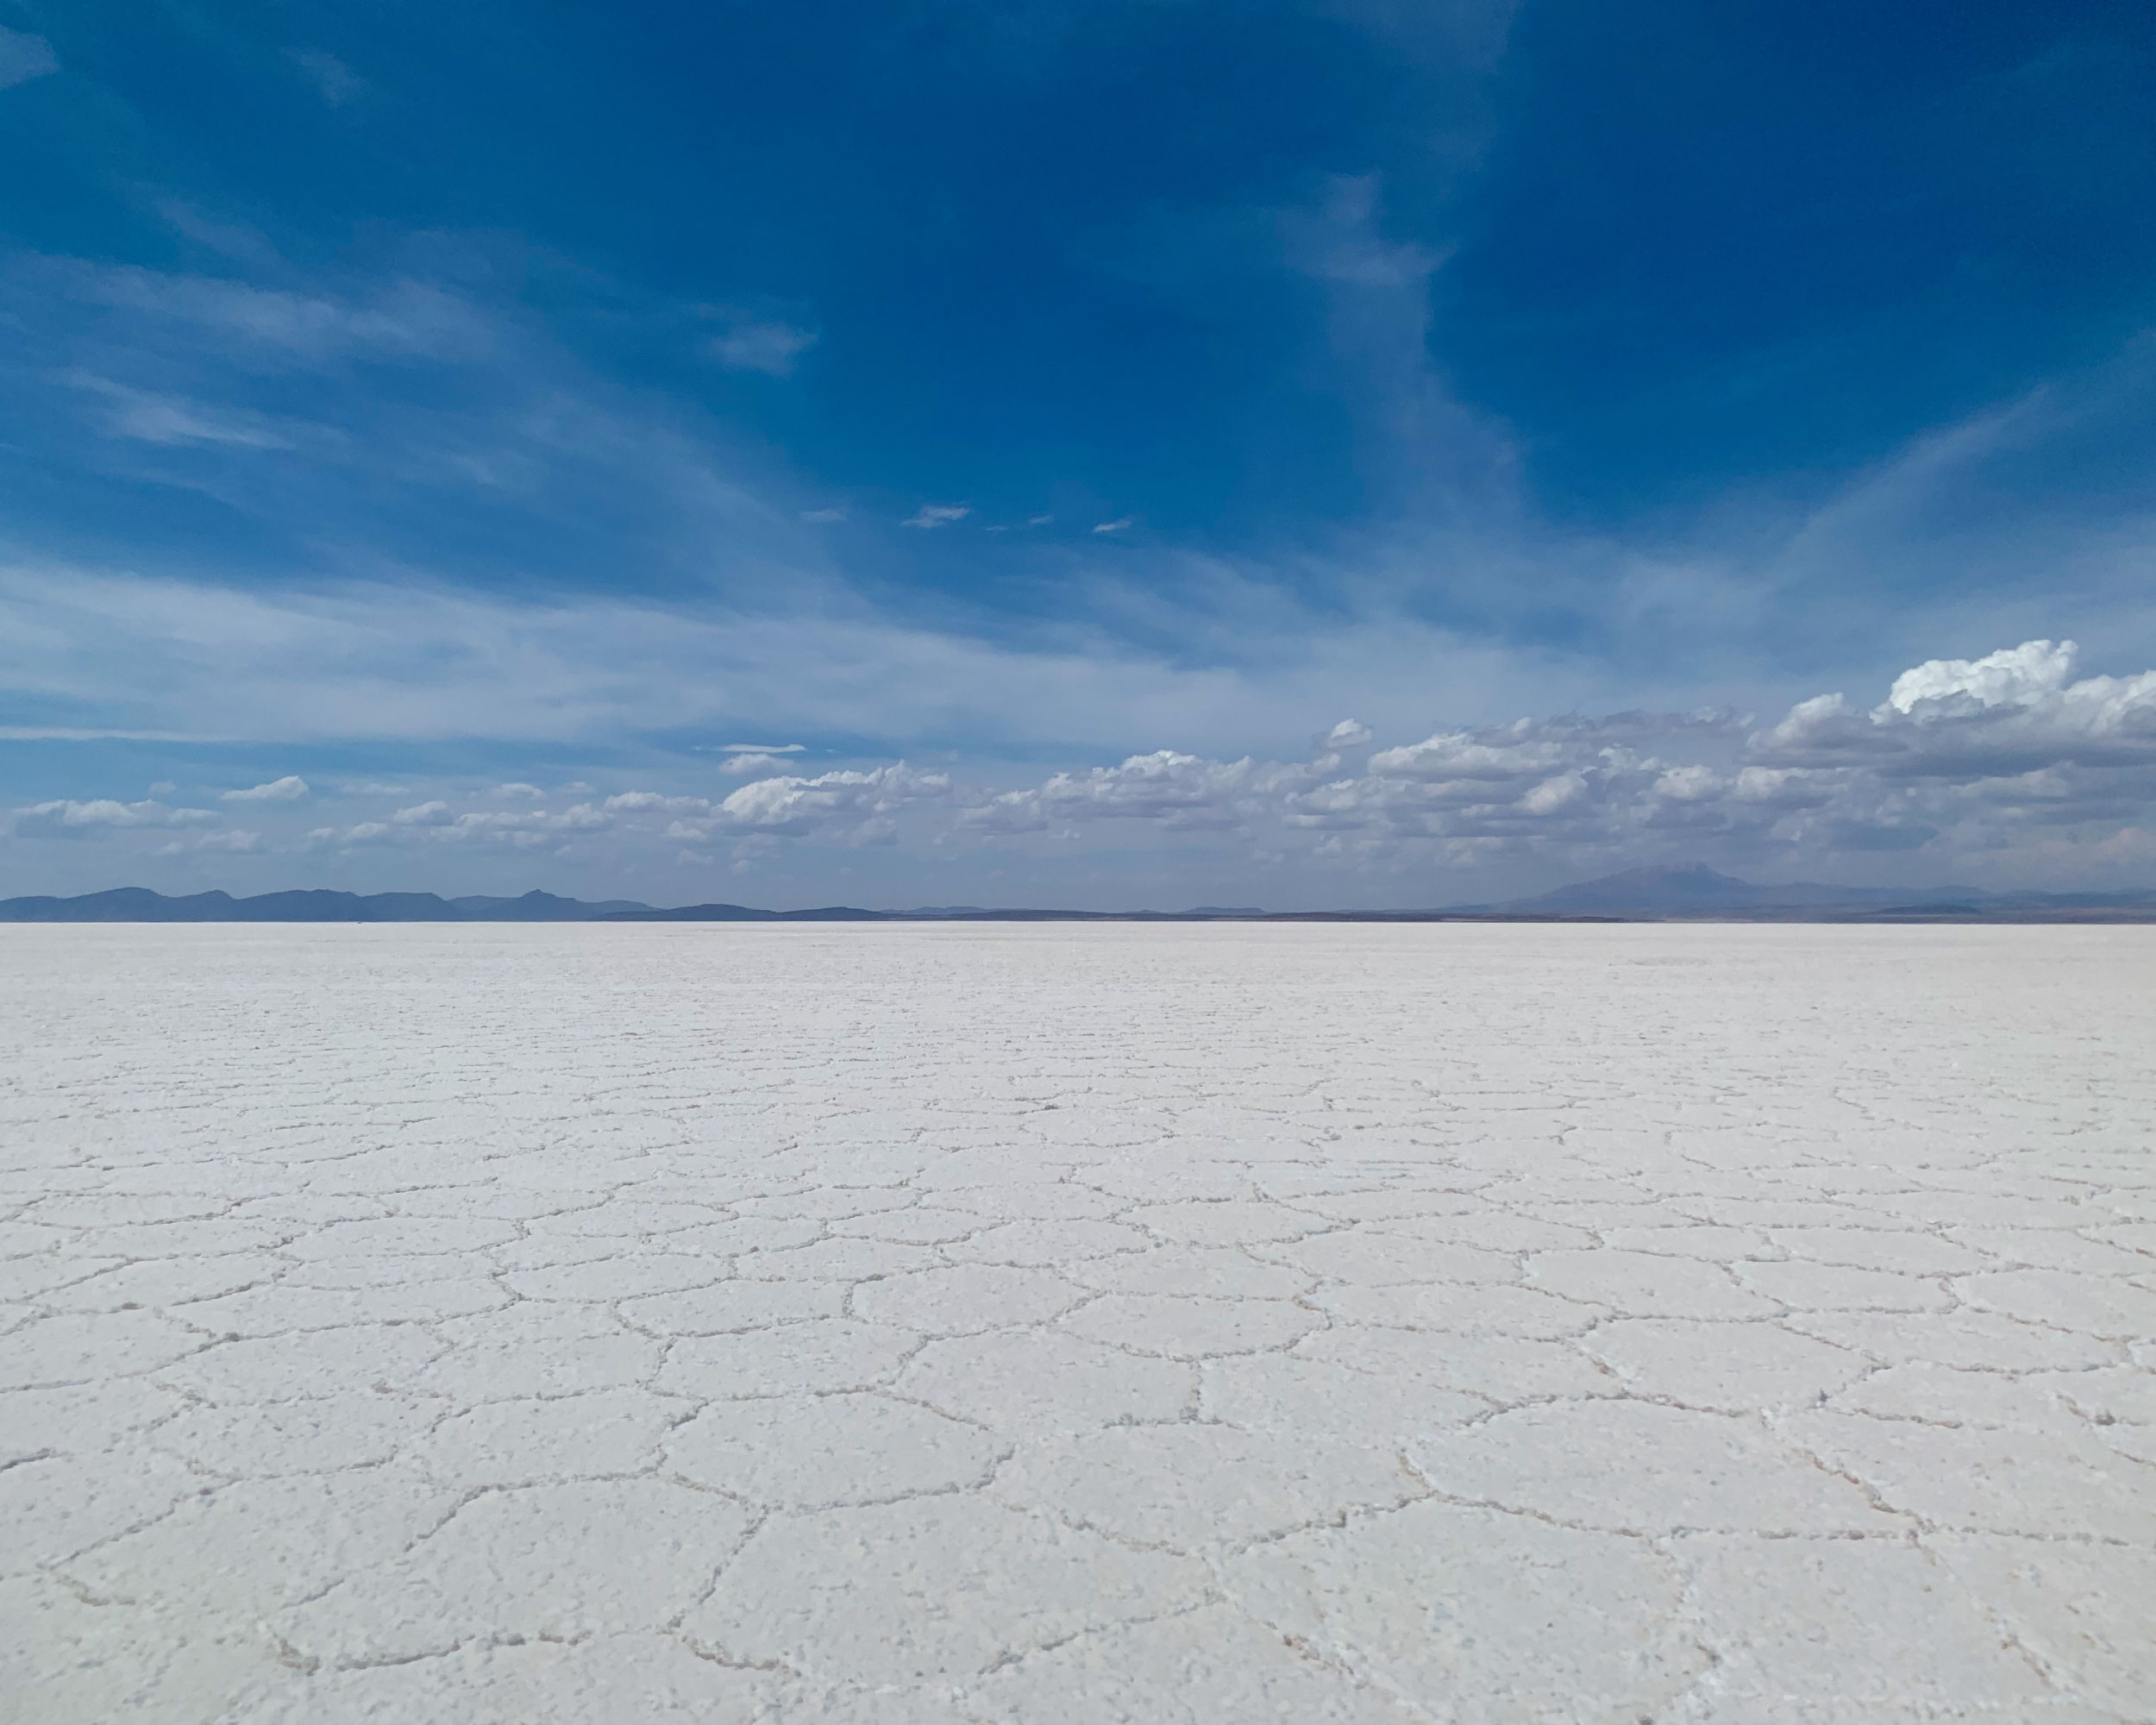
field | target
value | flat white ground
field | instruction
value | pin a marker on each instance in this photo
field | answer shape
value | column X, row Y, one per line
column 919, row 1324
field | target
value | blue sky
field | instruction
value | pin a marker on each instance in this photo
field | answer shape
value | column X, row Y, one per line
column 1339, row 452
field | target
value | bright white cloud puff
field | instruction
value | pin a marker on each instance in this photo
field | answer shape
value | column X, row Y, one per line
column 289, row 789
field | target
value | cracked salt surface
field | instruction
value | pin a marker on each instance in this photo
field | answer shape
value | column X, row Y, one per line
column 1024, row 1323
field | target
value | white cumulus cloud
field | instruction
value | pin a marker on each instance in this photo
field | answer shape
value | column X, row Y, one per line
column 289, row 789
column 850, row 806
column 1164, row 786
column 2013, row 673
column 68, row 818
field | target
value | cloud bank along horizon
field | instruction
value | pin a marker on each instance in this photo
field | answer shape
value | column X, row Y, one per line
column 937, row 457
column 2000, row 765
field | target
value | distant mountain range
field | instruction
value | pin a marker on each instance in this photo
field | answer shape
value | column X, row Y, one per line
column 139, row 904
column 1697, row 892
column 1682, row 893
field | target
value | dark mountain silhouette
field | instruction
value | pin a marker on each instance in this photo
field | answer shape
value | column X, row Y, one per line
column 745, row 913
column 139, row 904
column 1695, row 886
column 1694, row 892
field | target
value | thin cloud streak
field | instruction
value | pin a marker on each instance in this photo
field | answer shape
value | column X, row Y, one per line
column 370, row 661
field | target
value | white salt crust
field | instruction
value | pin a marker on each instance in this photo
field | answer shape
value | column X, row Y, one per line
column 1077, row 1324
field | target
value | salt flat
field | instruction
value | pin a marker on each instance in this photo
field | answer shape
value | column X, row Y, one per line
column 1000, row 1323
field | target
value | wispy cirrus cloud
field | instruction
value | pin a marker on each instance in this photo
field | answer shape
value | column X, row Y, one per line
column 337, row 83
column 762, row 344
column 173, row 420
column 257, row 326
column 386, row 662
column 23, row 56
column 232, row 842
